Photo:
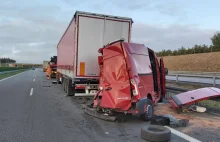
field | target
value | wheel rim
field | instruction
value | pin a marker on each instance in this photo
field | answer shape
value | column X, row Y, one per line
column 149, row 110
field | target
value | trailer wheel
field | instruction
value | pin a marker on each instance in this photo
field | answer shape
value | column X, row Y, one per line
column 63, row 82
column 155, row 133
column 64, row 85
column 69, row 87
column 73, row 89
column 148, row 114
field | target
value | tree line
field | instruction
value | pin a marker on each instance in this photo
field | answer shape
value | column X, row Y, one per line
column 215, row 47
column 7, row 60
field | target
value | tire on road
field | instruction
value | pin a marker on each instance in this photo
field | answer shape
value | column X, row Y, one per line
column 156, row 133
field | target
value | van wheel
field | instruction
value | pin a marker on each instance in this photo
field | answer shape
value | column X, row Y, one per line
column 146, row 116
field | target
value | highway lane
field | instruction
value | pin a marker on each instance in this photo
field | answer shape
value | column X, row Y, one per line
column 38, row 115
column 201, row 80
column 32, row 110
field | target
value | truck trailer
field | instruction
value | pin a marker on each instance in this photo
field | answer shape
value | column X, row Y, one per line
column 77, row 57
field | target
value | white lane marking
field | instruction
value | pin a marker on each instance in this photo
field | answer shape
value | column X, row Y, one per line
column 182, row 135
column 12, row 76
column 31, row 93
column 34, row 80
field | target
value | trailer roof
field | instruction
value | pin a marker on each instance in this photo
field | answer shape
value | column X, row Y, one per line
column 101, row 15
column 94, row 14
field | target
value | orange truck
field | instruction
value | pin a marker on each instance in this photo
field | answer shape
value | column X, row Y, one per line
column 45, row 65
column 51, row 71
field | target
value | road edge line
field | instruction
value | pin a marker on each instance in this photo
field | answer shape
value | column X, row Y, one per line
column 32, row 90
column 182, row 135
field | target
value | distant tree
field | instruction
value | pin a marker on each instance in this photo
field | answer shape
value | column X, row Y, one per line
column 216, row 40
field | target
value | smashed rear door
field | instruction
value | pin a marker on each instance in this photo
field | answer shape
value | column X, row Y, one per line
column 190, row 97
column 116, row 90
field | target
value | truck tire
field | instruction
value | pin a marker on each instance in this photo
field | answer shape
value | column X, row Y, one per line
column 63, row 82
column 146, row 116
column 155, row 133
column 65, row 85
column 69, row 87
column 73, row 89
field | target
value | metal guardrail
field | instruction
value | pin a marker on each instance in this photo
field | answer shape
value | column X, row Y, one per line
column 214, row 78
column 170, row 91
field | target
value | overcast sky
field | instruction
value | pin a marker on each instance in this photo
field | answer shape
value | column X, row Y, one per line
column 31, row 29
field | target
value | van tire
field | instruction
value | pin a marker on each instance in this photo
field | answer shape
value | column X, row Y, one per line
column 146, row 116
column 156, row 133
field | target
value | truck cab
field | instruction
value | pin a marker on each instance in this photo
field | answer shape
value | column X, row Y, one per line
column 132, row 79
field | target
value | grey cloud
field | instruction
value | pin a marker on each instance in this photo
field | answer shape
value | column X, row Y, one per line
column 31, row 33
column 172, row 37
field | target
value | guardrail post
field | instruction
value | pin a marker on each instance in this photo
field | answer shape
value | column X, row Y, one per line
column 214, row 81
column 176, row 77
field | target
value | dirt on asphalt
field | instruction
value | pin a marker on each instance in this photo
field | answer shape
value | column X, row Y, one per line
column 203, row 127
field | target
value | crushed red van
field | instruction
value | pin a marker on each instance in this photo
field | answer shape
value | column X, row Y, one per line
column 132, row 79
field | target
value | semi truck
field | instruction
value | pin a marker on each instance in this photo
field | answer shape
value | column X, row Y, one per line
column 77, row 65
column 45, row 65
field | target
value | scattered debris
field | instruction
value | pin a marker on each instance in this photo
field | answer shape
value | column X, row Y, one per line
column 196, row 108
column 54, row 82
column 191, row 97
column 169, row 120
column 106, row 133
column 160, row 120
column 156, row 133
column 175, row 122
column 46, row 85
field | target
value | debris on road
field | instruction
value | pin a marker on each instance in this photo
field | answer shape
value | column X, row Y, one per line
column 196, row 108
column 176, row 122
column 156, row 133
column 188, row 98
column 54, row 82
column 169, row 120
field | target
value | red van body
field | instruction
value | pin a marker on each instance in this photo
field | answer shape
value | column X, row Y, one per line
column 131, row 79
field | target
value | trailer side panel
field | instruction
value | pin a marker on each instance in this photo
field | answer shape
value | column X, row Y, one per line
column 66, row 50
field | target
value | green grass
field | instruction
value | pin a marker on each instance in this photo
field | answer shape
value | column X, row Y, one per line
column 5, row 75
column 9, row 68
column 210, row 104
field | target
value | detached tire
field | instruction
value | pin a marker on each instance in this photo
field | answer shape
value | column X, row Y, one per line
column 155, row 133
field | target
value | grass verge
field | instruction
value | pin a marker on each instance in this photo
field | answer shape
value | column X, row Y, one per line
column 5, row 75
column 9, row 68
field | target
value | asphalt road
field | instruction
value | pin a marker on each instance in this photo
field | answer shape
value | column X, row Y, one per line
column 34, row 110
column 201, row 80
